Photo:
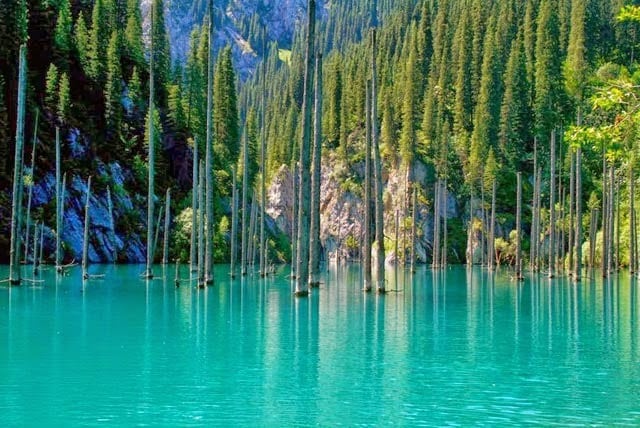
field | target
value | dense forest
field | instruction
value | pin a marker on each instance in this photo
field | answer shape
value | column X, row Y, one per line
column 523, row 112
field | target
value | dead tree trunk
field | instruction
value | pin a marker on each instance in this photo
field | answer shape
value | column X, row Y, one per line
column 534, row 213
column 577, row 269
column 519, row 276
column 414, row 218
column 201, row 198
column 572, row 191
column 112, row 230
column 245, row 206
column 167, row 224
column 193, row 254
column 552, row 208
column 377, row 165
column 208, row 257
column 30, row 195
column 304, row 199
column 316, row 162
column 492, row 227
column 234, row 222
column 16, row 204
column 366, row 246
column 151, row 189
column 59, row 203
column 85, row 242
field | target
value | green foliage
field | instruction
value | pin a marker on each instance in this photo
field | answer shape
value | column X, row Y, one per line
column 62, row 34
column 133, row 48
column 64, row 97
column 113, row 87
column 81, row 40
column 97, row 42
column 51, row 91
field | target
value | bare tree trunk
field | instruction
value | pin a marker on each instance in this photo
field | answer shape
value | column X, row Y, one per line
column 367, row 192
column 201, row 198
column 445, row 249
column 208, row 258
column 534, row 214
column 572, row 200
column 592, row 237
column 193, row 254
column 304, row 199
column 112, row 230
column 167, row 224
column 316, row 162
column 41, row 244
column 435, row 257
column 151, row 189
column 605, row 214
column 85, row 242
column 59, row 232
column 245, row 206
column 617, row 225
column 294, row 220
column 36, row 235
column 632, row 218
column 519, row 276
column 30, row 195
column 377, row 165
column 157, row 231
column 469, row 251
column 483, row 228
column 414, row 218
column 610, row 221
column 234, row 222
column 552, row 208
column 492, row 227
column 59, row 203
column 577, row 269
column 395, row 241
column 16, row 204
column 263, row 174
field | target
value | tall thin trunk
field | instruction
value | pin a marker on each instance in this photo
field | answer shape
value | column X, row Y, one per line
column 152, row 156
column 377, row 165
column 156, row 230
column 193, row 254
column 234, row 222
column 577, row 269
column 534, row 213
column 85, row 242
column 30, row 195
column 245, row 206
column 605, row 214
column 632, row 217
column 304, row 199
column 572, row 199
column 295, row 178
column 167, row 223
column 618, row 225
column 112, row 230
column 40, row 256
column 208, row 260
column 435, row 257
column 366, row 251
column 519, row 228
column 59, row 203
column 316, row 165
column 492, row 227
column 592, row 237
column 552, row 208
column 469, row 251
column 611, row 220
column 395, row 241
column 16, row 203
column 252, row 233
column 560, row 247
column 59, row 231
column 414, row 218
column 483, row 227
column 445, row 234
column 263, row 174
column 36, row 236
column 201, row 197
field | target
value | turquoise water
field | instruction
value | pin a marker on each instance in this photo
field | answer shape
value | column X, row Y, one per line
column 458, row 348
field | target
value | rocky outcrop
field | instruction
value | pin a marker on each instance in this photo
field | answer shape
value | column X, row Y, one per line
column 342, row 210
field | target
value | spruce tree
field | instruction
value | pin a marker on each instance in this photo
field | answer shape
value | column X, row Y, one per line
column 62, row 34
column 81, row 41
column 51, row 89
column 97, row 42
column 113, row 86
column 64, row 98
column 133, row 48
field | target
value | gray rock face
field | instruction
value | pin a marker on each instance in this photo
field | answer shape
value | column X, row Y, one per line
column 279, row 17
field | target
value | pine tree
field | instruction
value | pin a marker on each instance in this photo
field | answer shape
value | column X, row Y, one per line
column 113, row 86
column 548, row 76
column 62, row 34
column 133, row 48
column 161, row 54
column 81, row 41
column 51, row 91
column 64, row 98
column 135, row 89
column 176, row 107
column 226, row 129
column 97, row 42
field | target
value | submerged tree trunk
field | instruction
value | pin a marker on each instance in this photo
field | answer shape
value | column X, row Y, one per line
column 245, row 206
column 492, row 227
column 519, row 228
column 445, row 234
column 572, row 199
column 377, row 165
column 366, row 245
column 592, row 237
column 85, row 242
column 632, row 217
column 156, row 230
column 36, row 236
column 316, row 165
column 295, row 178
column 167, row 223
column 435, row 258
column 112, row 231
column 193, row 254
column 30, row 195
column 59, row 203
column 552, row 208
column 414, row 217
column 16, row 203
column 605, row 217
column 577, row 269
column 151, row 190
column 201, row 192
column 263, row 175
column 304, row 199
column 234, row 221
column 208, row 258
column 610, row 221
column 534, row 212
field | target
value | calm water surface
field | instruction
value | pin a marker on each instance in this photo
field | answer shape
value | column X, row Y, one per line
column 457, row 348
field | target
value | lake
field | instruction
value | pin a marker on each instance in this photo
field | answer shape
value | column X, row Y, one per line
column 460, row 347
